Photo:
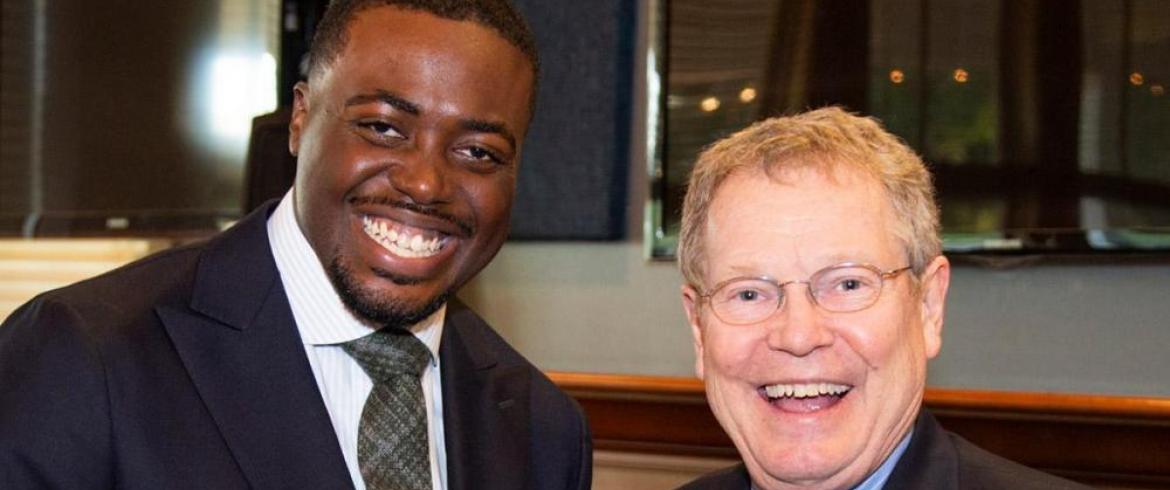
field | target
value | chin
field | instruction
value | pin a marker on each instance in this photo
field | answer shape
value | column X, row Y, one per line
column 394, row 305
column 796, row 464
column 828, row 454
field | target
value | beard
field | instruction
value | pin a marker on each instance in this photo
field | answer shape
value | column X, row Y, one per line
column 374, row 306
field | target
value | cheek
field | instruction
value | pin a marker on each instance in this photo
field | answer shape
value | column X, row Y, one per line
column 491, row 201
column 325, row 161
column 884, row 339
column 730, row 351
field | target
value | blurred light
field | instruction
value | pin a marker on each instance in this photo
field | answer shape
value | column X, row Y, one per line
column 1157, row 89
column 746, row 95
column 897, row 76
column 1136, row 79
column 242, row 87
column 710, row 104
column 961, row 75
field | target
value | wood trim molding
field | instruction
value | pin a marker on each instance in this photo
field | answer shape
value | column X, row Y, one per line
column 1060, row 404
column 1097, row 439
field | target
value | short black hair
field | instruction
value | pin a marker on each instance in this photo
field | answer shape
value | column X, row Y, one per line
column 498, row 15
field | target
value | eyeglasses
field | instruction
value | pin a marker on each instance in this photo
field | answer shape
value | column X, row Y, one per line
column 841, row 288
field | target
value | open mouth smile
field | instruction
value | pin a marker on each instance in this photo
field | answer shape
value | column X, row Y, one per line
column 804, row 397
column 402, row 240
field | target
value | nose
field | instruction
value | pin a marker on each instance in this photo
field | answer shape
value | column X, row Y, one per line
column 799, row 327
column 420, row 173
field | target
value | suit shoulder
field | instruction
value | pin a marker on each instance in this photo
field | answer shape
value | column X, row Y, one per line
column 561, row 441
column 735, row 477
column 477, row 331
column 980, row 469
column 554, row 409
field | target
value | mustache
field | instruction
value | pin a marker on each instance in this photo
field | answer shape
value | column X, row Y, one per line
column 468, row 229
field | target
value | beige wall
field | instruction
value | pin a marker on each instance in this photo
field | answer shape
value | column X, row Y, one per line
column 598, row 307
column 28, row 267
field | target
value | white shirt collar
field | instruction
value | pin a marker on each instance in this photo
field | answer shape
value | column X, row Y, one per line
column 321, row 317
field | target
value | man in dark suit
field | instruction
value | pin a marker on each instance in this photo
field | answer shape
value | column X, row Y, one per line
column 232, row 364
column 815, row 290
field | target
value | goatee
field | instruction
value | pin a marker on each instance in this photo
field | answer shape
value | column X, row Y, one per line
column 374, row 306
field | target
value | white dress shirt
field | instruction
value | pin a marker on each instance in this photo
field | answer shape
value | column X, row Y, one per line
column 324, row 323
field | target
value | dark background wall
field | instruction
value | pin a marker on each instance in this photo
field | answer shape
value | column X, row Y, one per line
column 575, row 159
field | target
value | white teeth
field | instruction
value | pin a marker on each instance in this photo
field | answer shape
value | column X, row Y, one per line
column 400, row 242
column 804, row 390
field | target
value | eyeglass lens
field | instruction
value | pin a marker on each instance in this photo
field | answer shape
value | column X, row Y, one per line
column 836, row 289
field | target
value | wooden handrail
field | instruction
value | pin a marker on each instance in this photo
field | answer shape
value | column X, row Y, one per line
column 1056, row 404
column 627, row 383
column 1073, row 404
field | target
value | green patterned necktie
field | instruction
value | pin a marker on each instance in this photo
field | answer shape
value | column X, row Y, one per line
column 393, row 452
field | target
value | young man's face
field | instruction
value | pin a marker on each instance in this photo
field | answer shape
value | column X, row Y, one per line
column 408, row 145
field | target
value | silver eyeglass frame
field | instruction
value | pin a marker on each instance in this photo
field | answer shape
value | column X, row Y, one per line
column 883, row 276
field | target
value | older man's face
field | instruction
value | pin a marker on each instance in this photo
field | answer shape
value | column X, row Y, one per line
column 788, row 229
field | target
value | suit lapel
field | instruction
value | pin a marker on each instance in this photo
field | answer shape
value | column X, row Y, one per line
column 485, row 408
column 930, row 461
column 241, row 347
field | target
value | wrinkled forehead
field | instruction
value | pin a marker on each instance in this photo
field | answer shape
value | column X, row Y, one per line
column 808, row 215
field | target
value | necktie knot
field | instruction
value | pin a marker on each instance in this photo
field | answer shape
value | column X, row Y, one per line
column 389, row 352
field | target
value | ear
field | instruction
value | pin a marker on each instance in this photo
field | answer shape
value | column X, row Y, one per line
column 690, row 299
column 935, row 281
column 300, row 115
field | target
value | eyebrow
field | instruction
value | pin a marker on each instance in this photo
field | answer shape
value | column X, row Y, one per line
column 482, row 126
column 754, row 270
column 384, row 97
column 477, row 125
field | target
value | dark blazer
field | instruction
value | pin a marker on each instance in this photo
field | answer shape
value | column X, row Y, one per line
column 186, row 370
column 934, row 460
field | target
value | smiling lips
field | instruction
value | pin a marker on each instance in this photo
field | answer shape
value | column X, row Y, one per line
column 401, row 240
column 804, row 397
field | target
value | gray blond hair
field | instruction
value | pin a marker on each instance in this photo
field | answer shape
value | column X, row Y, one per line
column 824, row 139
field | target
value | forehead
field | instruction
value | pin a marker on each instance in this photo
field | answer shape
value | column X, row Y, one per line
column 797, row 221
column 390, row 48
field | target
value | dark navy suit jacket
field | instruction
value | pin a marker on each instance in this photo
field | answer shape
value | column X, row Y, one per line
column 934, row 460
column 186, row 370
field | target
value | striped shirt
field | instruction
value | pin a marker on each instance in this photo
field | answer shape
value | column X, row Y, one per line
column 324, row 323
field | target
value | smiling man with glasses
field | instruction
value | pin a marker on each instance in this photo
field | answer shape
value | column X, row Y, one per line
column 815, row 290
